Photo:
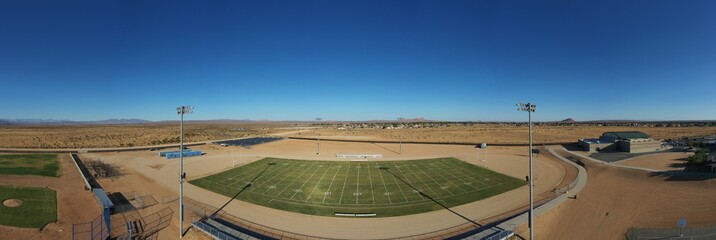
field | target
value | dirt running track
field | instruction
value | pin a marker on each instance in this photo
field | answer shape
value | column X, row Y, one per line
column 616, row 199
column 549, row 173
column 74, row 203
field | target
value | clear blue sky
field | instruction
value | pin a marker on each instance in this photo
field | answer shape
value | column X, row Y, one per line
column 358, row 60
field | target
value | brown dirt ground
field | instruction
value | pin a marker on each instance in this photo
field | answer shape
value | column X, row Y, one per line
column 500, row 133
column 71, row 196
column 616, row 199
column 95, row 136
column 673, row 161
column 549, row 173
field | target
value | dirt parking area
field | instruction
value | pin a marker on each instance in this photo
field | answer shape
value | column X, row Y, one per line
column 672, row 161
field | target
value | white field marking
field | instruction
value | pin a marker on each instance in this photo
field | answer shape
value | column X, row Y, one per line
column 438, row 183
column 424, row 184
column 344, row 184
column 467, row 175
column 287, row 185
column 291, row 183
column 399, row 188
column 407, row 179
column 319, row 182
column 272, row 186
column 447, row 180
column 357, row 183
column 326, row 193
column 370, row 181
column 272, row 177
column 304, row 183
column 385, row 186
column 285, row 176
column 298, row 190
column 399, row 184
column 259, row 183
column 357, row 194
column 409, row 182
column 331, row 184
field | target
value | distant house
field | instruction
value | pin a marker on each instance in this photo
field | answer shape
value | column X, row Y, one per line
column 627, row 141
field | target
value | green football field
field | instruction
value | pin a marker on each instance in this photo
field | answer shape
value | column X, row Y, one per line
column 383, row 188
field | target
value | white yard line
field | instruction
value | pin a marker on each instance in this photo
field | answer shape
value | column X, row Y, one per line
column 357, row 183
column 370, row 181
column 344, row 184
column 319, row 182
column 426, row 185
column 331, row 184
column 384, row 185
column 438, row 183
column 304, row 183
column 294, row 180
column 400, row 188
column 409, row 182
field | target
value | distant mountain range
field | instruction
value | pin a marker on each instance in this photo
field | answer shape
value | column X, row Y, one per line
column 55, row 121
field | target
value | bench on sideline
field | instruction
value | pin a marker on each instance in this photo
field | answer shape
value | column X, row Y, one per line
column 351, row 155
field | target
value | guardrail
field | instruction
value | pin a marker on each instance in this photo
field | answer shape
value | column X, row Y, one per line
column 212, row 231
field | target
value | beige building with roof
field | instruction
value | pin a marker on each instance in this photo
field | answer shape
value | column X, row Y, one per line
column 629, row 141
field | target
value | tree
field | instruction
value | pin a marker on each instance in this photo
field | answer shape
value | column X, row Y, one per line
column 698, row 158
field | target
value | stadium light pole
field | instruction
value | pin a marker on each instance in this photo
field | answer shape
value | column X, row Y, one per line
column 318, row 143
column 181, row 111
column 529, row 108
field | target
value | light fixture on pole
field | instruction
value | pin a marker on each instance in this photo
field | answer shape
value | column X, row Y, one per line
column 181, row 111
column 529, row 108
column 318, row 143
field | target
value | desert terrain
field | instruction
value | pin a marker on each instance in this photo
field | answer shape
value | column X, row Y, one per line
column 130, row 135
column 500, row 133
column 616, row 199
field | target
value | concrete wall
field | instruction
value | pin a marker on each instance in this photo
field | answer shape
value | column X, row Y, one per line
column 639, row 146
column 593, row 147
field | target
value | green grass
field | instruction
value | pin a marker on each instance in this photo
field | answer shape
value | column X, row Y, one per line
column 386, row 188
column 38, row 209
column 30, row 164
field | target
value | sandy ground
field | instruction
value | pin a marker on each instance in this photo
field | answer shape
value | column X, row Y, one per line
column 74, row 203
column 616, row 199
column 672, row 161
column 128, row 135
column 500, row 133
column 549, row 173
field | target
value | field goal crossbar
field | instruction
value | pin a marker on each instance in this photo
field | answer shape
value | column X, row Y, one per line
column 359, row 156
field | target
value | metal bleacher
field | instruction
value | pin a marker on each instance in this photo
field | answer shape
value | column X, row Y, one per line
column 223, row 230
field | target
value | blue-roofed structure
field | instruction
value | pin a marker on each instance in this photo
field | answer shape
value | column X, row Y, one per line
column 107, row 205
